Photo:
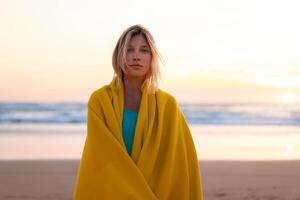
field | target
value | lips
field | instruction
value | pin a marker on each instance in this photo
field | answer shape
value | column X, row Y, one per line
column 135, row 66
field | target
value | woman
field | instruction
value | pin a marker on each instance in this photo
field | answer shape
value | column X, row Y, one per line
column 138, row 144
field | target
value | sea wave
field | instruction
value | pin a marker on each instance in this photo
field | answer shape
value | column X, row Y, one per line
column 223, row 114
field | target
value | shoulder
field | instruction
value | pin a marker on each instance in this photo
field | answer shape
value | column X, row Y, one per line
column 98, row 100
column 168, row 107
column 99, row 94
column 100, row 91
column 166, row 99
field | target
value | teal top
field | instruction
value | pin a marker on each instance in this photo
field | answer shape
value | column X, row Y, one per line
column 128, row 128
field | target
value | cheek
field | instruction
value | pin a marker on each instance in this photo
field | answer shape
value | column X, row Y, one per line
column 147, row 59
column 128, row 57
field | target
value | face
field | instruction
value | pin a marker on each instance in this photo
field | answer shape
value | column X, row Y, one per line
column 138, row 57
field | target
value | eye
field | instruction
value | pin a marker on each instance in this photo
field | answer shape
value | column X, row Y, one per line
column 145, row 50
column 129, row 49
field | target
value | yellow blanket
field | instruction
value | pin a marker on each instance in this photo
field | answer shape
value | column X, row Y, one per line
column 163, row 163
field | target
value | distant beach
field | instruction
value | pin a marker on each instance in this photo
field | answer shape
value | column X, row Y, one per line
column 212, row 142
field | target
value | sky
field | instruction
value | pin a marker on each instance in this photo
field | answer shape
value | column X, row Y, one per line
column 215, row 51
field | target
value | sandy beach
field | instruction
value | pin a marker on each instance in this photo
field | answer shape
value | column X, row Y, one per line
column 224, row 180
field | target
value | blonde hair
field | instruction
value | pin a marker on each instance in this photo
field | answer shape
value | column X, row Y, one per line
column 119, row 56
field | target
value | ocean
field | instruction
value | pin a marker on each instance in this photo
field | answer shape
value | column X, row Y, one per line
column 220, row 131
column 196, row 114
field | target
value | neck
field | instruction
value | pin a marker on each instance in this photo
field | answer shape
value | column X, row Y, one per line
column 132, row 92
column 133, row 85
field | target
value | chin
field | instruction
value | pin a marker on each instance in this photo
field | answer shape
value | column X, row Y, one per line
column 136, row 74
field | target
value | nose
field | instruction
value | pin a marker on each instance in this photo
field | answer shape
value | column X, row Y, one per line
column 136, row 56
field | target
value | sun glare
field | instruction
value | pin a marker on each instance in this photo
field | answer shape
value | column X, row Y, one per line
column 288, row 98
column 289, row 150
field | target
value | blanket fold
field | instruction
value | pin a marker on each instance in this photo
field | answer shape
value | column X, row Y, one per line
column 163, row 163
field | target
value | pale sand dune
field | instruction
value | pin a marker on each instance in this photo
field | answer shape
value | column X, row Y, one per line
column 224, row 180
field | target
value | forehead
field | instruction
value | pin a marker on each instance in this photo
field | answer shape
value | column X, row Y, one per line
column 138, row 40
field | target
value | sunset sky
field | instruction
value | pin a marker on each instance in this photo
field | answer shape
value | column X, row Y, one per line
column 214, row 51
